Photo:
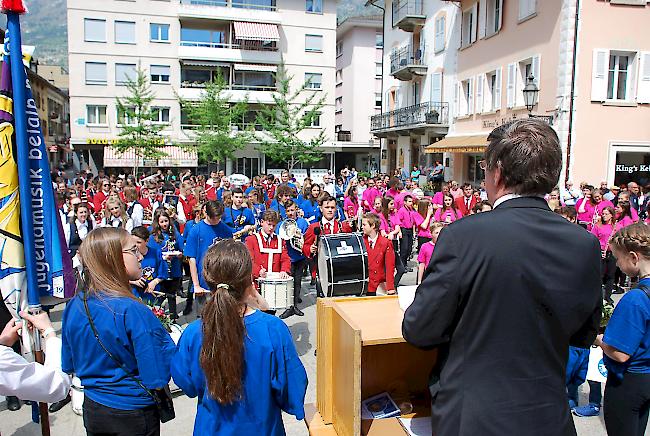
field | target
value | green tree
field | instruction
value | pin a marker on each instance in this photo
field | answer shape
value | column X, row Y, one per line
column 213, row 118
column 283, row 123
column 137, row 121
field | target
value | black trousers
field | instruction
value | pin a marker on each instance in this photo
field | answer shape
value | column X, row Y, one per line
column 626, row 404
column 608, row 272
column 421, row 241
column 172, row 287
column 297, row 270
column 101, row 420
column 399, row 266
column 406, row 246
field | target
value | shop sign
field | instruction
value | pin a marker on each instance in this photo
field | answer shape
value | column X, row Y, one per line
column 105, row 141
column 630, row 169
column 492, row 124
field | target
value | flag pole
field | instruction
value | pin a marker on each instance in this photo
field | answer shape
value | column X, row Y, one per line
column 18, row 83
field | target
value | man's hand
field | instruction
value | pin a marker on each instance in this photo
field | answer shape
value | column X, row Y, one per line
column 151, row 287
column 262, row 273
column 9, row 334
column 313, row 249
column 140, row 283
column 284, row 275
column 199, row 290
column 41, row 321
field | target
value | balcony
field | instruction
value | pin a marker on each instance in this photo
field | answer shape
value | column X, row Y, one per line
column 344, row 136
column 236, row 93
column 262, row 11
column 241, row 53
column 407, row 62
column 412, row 119
column 408, row 15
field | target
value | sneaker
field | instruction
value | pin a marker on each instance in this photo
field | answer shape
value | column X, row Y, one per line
column 588, row 410
column 572, row 404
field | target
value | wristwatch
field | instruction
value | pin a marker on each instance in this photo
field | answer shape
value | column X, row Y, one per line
column 47, row 332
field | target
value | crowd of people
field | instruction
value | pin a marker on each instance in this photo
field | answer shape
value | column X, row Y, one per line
column 135, row 240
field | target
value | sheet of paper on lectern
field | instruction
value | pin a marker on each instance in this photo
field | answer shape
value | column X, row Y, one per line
column 417, row 426
column 406, row 295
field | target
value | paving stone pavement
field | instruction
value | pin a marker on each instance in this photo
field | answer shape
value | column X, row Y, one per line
column 303, row 329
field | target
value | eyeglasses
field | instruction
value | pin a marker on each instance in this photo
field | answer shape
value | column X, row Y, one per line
column 133, row 250
column 482, row 165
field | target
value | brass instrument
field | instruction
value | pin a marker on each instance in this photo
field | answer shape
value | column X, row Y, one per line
column 242, row 232
column 289, row 231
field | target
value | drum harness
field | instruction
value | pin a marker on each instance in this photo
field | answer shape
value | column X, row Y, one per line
column 270, row 251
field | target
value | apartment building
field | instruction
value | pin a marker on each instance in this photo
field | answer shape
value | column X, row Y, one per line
column 182, row 44
column 594, row 86
column 358, row 95
column 420, row 55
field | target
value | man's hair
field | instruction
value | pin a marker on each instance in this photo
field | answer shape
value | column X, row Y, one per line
column 325, row 198
column 237, row 191
column 214, row 209
column 373, row 220
column 467, row 185
column 271, row 216
column 141, row 232
column 567, row 211
column 528, row 154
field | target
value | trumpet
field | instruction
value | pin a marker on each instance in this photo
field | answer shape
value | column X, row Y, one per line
column 242, row 232
column 290, row 232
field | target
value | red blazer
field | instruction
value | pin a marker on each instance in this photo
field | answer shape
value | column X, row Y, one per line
column 381, row 264
column 281, row 262
column 310, row 237
column 462, row 206
column 98, row 200
column 188, row 206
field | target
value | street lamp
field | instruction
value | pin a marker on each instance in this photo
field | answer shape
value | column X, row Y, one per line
column 531, row 97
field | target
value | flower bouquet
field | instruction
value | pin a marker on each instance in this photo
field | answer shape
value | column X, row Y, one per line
column 162, row 315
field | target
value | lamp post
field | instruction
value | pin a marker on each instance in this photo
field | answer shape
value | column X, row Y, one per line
column 531, row 97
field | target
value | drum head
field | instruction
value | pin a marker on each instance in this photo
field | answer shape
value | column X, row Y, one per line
column 342, row 265
column 323, row 267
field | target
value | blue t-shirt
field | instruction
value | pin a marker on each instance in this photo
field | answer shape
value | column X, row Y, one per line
column 237, row 219
column 274, row 380
column 629, row 331
column 295, row 255
column 201, row 237
column 279, row 208
column 312, row 211
column 186, row 231
column 129, row 330
column 167, row 245
column 153, row 268
column 258, row 211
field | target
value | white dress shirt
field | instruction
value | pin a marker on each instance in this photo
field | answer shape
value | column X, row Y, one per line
column 33, row 381
column 180, row 212
column 117, row 222
column 82, row 230
column 138, row 213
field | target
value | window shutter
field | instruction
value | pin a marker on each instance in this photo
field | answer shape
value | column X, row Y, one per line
column 472, row 37
column 500, row 14
column 456, row 99
column 510, row 86
column 479, row 93
column 536, row 70
column 643, row 89
column 436, row 88
column 482, row 18
column 440, row 34
column 470, row 99
column 599, row 75
column 497, row 90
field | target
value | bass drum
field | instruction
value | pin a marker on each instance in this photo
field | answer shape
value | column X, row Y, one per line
column 342, row 265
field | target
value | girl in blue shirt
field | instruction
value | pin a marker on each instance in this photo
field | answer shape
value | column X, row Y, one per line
column 310, row 206
column 626, row 342
column 166, row 239
column 154, row 270
column 114, row 402
column 240, row 362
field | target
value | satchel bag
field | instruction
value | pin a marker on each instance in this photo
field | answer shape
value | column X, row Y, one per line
column 161, row 397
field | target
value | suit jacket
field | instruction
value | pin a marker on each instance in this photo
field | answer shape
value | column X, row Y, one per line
column 310, row 236
column 281, row 262
column 381, row 264
column 505, row 294
column 462, row 206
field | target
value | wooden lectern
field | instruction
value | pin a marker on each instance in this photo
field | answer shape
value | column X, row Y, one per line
column 361, row 353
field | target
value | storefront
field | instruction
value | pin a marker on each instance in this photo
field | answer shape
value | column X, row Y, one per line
column 462, row 157
column 629, row 163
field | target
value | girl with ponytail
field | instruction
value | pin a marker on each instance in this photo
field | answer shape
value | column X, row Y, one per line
column 240, row 362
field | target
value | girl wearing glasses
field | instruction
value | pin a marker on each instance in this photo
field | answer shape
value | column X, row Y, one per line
column 141, row 349
column 115, row 215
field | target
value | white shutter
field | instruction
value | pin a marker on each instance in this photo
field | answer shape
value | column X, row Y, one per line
column 526, row 8
column 479, row 93
column 643, row 89
column 497, row 90
column 457, row 99
column 440, row 34
column 482, row 18
column 535, row 68
column 470, row 94
column 436, row 88
column 500, row 14
column 511, row 85
column 599, row 75
column 472, row 37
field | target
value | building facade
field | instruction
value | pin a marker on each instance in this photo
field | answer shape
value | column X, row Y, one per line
column 358, row 95
column 182, row 44
column 420, row 55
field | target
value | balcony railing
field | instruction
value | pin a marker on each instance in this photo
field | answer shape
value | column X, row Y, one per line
column 253, row 47
column 419, row 115
column 344, row 136
column 408, row 13
column 247, row 4
column 234, row 86
column 406, row 56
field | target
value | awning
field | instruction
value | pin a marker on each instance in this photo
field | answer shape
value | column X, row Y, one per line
column 459, row 144
column 256, row 31
column 175, row 157
column 204, row 64
column 256, row 67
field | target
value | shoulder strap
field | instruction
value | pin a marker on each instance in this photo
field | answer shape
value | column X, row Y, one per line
column 109, row 354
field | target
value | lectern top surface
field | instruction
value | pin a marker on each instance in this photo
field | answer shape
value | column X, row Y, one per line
column 378, row 318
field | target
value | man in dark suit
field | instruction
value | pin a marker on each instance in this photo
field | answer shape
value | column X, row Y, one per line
column 505, row 294
column 467, row 201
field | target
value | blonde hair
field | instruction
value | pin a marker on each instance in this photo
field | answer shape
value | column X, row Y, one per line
column 103, row 264
column 436, row 224
column 107, row 212
column 635, row 237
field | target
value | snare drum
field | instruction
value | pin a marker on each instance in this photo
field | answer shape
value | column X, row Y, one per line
column 343, row 264
column 277, row 292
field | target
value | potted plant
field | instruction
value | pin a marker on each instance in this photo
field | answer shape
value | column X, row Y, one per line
column 429, row 189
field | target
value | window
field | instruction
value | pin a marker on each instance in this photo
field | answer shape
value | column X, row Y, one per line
column 619, row 75
column 254, row 80
column 314, row 43
column 96, row 115
column 466, row 97
column 468, row 34
column 527, row 8
column 315, row 120
column 124, row 73
column 338, row 128
column 338, row 104
column 339, row 76
column 313, row 80
column 377, row 99
column 126, row 117
column 493, row 16
column 439, row 40
column 378, row 69
column 159, row 32
column 202, row 37
column 96, row 73
column 94, row 30
column 197, row 77
column 379, row 40
column 436, row 88
column 492, row 97
column 160, row 115
column 314, row 6
column 124, row 32
column 249, row 166
column 160, row 73
column 339, row 48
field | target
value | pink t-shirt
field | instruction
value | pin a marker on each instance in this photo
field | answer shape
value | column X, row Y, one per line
column 384, row 224
column 438, row 198
column 369, row 196
column 448, row 216
column 626, row 221
column 585, row 210
column 426, row 251
column 422, row 233
column 603, row 232
column 394, row 220
column 456, row 193
column 406, row 218
column 351, row 207
column 399, row 199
